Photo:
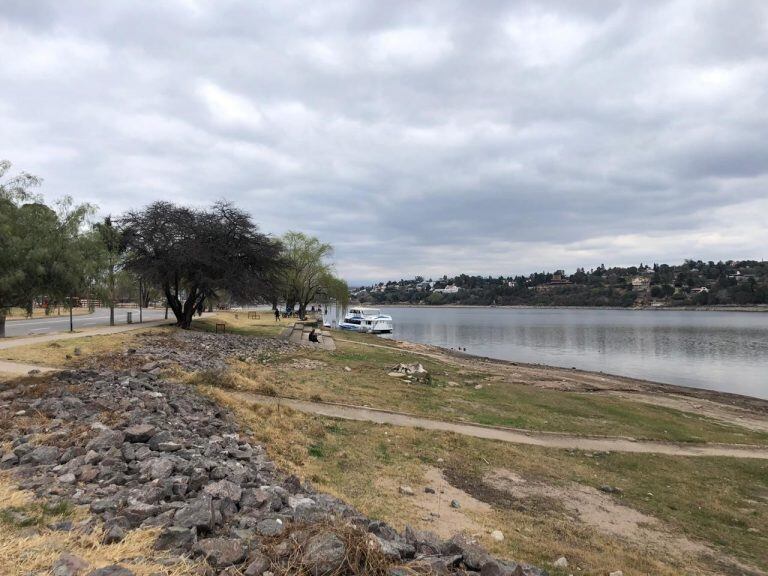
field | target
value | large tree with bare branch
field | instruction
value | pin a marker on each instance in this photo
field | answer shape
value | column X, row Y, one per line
column 193, row 254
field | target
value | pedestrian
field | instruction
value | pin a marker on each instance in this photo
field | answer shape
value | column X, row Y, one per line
column 277, row 315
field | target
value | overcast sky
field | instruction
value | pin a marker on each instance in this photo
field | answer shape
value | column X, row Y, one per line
column 416, row 137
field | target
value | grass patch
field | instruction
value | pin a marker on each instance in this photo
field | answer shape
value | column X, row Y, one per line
column 474, row 394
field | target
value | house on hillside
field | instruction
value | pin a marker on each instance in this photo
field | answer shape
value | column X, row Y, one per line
column 450, row 289
column 641, row 284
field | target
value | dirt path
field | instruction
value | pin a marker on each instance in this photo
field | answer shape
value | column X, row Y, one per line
column 19, row 369
column 545, row 439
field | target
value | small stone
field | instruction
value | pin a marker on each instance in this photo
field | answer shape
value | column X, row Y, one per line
column 258, row 566
column 561, row 562
column 270, row 527
column 139, row 433
column 610, row 489
column 113, row 570
column 429, row 490
column 113, row 533
column 616, row 573
column 347, row 369
column 406, row 490
column 455, row 504
column 77, row 351
column 68, row 478
column 176, row 537
column 69, row 565
column 497, row 535
column 221, row 552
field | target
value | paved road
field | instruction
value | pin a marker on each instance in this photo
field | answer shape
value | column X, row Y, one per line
column 61, row 323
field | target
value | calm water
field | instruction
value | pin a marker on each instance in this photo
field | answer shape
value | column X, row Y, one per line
column 725, row 351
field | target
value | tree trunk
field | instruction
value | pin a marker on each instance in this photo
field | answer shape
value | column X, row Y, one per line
column 112, row 315
column 2, row 324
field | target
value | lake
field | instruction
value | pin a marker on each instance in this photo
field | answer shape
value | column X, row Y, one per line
column 726, row 351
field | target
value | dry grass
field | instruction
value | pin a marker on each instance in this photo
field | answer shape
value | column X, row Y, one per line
column 35, row 548
column 364, row 464
column 62, row 353
column 363, row 555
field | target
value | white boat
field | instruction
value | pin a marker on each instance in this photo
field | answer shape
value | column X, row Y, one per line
column 367, row 320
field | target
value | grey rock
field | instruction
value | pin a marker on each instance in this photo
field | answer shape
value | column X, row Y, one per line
column 224, row 489
column 324, row 554
column 258, row 565
column 113, row 570
column 176, row 538
column 270, row 527
column 106, row 440
column 42, row 455
column 115, row 530
column 221, row 552
column 198, row 513
column 69, row 565
column 139, row 433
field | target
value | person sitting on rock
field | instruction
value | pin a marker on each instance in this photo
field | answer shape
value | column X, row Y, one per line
column 313, row 336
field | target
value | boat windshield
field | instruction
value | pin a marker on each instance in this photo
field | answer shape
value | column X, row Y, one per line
column 365, row 311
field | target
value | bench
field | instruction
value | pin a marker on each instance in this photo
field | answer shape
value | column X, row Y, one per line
column 254, row 316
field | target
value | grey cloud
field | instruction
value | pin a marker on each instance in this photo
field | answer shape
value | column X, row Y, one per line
column 406, row 134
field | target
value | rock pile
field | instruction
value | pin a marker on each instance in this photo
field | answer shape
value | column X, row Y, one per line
column 196, row 351
column 140, row 451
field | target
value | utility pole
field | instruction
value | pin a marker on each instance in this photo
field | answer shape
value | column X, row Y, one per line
column 141, row 297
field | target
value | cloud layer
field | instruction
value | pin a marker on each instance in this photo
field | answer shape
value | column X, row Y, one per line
column 418, row 138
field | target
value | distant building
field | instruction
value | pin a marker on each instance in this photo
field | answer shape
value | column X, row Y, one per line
column 640, row 284
column 701, row 290
column 450, row 289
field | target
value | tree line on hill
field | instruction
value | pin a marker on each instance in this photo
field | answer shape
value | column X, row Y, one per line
column 190, row 259
column 692, row 283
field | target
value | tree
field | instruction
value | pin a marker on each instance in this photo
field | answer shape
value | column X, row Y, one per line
column 193, row 254
column 110, row 239
column 42, row 251
column 304, row 269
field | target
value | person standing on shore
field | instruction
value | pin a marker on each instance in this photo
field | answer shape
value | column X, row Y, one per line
column 277, row 315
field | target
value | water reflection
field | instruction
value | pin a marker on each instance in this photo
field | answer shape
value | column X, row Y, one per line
column 716, row 350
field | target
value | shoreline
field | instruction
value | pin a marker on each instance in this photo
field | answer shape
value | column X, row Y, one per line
column 630, row 384
column 758, row 308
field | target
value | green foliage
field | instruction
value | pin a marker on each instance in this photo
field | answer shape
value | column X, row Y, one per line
column 44, row 252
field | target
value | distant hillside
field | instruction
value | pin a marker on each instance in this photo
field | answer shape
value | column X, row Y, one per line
column 693, row 283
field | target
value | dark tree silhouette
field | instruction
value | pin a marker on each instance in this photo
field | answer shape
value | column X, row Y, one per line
column 193, row 254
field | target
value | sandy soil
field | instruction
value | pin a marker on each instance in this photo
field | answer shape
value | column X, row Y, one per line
column 434, row 512
column 604, row 513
